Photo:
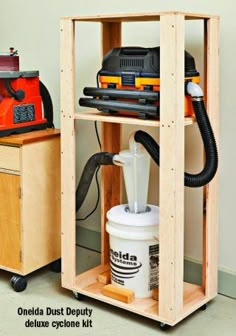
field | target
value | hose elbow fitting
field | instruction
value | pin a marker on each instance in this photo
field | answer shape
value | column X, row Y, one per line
column 134, row 146
column 194, row 90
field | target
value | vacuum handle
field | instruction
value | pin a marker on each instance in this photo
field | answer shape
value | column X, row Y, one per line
column 134, row 51
column 113, row 105
column 119, row 93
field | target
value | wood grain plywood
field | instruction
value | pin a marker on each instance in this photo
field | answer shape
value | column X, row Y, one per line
column 87, row 284
column 41, row 203
column 10, row 227
column 134, row 17
column 117, row 119
column 171, row 167
column 210, row 225
column 68, row 152
column 20, row 139
column 10, row 158
column 111, row 136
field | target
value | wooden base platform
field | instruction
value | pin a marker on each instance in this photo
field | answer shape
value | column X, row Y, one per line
column 87, row 284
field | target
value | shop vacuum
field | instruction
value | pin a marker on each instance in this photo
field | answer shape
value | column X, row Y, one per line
column 21, row 97
column 129, row 83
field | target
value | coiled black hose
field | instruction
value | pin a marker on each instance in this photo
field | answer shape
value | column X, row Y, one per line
column 95, row 161
column 211, row 158
column 190, row 180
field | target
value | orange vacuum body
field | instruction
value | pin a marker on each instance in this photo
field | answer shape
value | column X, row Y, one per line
column 144, row 84
column 20, row 100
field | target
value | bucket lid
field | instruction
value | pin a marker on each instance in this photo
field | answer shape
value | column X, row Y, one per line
column 119, row 215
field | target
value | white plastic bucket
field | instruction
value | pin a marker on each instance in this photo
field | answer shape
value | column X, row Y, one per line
column 134, row 249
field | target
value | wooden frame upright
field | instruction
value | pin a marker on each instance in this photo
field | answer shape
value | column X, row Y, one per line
column 176, row 298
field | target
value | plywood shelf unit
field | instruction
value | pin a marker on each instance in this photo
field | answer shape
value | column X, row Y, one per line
column 177, row 299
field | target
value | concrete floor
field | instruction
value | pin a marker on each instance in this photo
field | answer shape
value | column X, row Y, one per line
column 44, row 290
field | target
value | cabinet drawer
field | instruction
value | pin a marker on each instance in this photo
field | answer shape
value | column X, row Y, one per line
column 10, row 157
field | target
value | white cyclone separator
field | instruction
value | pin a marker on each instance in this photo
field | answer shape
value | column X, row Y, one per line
column 134, row 248
column 136, row 165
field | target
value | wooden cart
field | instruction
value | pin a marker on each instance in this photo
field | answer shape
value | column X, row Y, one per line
column 29, row 203
column 177, row 299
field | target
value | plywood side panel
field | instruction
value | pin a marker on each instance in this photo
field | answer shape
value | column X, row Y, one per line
column 171, row 167
column 10, row 222
column 41, row 196
column 111, row 134
column 68, row 152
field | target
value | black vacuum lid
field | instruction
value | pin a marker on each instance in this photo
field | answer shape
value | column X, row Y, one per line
column 145, row 61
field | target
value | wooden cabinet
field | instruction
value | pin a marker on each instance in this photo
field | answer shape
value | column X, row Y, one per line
column 29, row 201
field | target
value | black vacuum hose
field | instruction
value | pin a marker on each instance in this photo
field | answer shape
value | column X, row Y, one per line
column 190, row 180
column 95, row 161
column 211, row 158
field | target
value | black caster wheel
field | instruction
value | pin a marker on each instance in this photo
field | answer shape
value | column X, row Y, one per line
column 204, row 307
column 18, row 283
column 79, row 296
column 55, row 266
column 164, row 326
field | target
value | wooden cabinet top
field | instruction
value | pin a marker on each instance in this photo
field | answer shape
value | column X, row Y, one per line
column 25, row 138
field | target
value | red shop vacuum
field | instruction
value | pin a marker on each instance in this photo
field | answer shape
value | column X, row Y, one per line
column 25, row 103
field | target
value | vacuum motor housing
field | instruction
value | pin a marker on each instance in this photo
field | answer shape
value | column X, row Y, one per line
column 139, row 69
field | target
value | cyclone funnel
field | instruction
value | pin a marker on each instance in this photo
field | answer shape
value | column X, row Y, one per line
column 136, row 165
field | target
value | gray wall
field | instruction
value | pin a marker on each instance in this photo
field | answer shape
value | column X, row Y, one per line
column 33, row 28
